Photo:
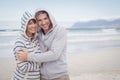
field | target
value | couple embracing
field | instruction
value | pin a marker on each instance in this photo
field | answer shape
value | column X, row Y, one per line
column 40, row 50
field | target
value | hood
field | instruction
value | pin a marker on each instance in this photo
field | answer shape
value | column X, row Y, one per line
column 24, row 21
column 52, row 19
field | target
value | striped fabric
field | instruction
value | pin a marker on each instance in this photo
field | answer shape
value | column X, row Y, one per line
column 27, row 70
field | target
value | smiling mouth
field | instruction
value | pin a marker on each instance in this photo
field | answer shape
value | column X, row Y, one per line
column 33, row 29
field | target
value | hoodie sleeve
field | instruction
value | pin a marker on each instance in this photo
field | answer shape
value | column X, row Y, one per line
column 58, row 48
column 22, row 66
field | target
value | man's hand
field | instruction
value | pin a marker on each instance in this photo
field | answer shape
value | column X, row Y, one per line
column 22, row 55
column 46, row 49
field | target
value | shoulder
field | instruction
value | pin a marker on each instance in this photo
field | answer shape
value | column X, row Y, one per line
column 19, row 41
column 61, row 30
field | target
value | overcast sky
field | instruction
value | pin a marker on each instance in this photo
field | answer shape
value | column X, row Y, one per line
column 62, row 10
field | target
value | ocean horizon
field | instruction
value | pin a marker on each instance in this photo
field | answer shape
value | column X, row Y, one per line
column 77, row 40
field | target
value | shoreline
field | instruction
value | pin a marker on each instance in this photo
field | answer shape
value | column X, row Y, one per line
column 97, row 64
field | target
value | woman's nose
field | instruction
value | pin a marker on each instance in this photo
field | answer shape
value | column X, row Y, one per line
column 33, row 25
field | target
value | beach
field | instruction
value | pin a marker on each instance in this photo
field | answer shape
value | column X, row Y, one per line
column 98, row 64
column 95, row 64
column 91, row 54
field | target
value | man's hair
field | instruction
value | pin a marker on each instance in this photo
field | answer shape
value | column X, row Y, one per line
column 41, row 12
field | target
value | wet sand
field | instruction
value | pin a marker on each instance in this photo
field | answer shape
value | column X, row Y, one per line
column 98, row 64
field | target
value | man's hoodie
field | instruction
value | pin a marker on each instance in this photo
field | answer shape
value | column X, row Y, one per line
column 54, row 60
column 27, row 69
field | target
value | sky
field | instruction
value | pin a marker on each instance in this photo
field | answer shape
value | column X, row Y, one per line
column 62, row 10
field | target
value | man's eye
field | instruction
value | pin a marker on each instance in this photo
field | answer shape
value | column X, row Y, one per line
column 39, row 20
column 46, row 18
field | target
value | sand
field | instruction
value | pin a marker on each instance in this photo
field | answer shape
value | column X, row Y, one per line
column 98, row 64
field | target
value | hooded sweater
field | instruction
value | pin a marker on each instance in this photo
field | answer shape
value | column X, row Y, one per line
column 54, row 60
column 28, row 69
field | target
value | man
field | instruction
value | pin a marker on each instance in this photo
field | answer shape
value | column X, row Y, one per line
column 53, row 37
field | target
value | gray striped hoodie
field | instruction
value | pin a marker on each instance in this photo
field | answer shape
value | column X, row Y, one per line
column 28, row 69
column 54, row 61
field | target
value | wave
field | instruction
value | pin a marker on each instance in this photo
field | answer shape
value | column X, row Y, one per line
column 11, row 43
column 73, row 37
column 100, row 34
column 9, row 33
column 92, row 40
column 109, row 30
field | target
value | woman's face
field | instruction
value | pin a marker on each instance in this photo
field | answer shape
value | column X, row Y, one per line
column 31, row 28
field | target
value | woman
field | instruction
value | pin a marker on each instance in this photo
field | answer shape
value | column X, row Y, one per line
column 28, row 41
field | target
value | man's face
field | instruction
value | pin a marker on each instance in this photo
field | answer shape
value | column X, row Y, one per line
column 43, row 21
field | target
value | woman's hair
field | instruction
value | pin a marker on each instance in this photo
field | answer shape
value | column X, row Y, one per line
column 33, row 20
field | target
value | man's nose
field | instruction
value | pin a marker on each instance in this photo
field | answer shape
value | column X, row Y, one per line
column 43, row 22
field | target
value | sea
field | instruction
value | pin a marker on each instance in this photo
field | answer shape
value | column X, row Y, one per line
column 77, row 40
